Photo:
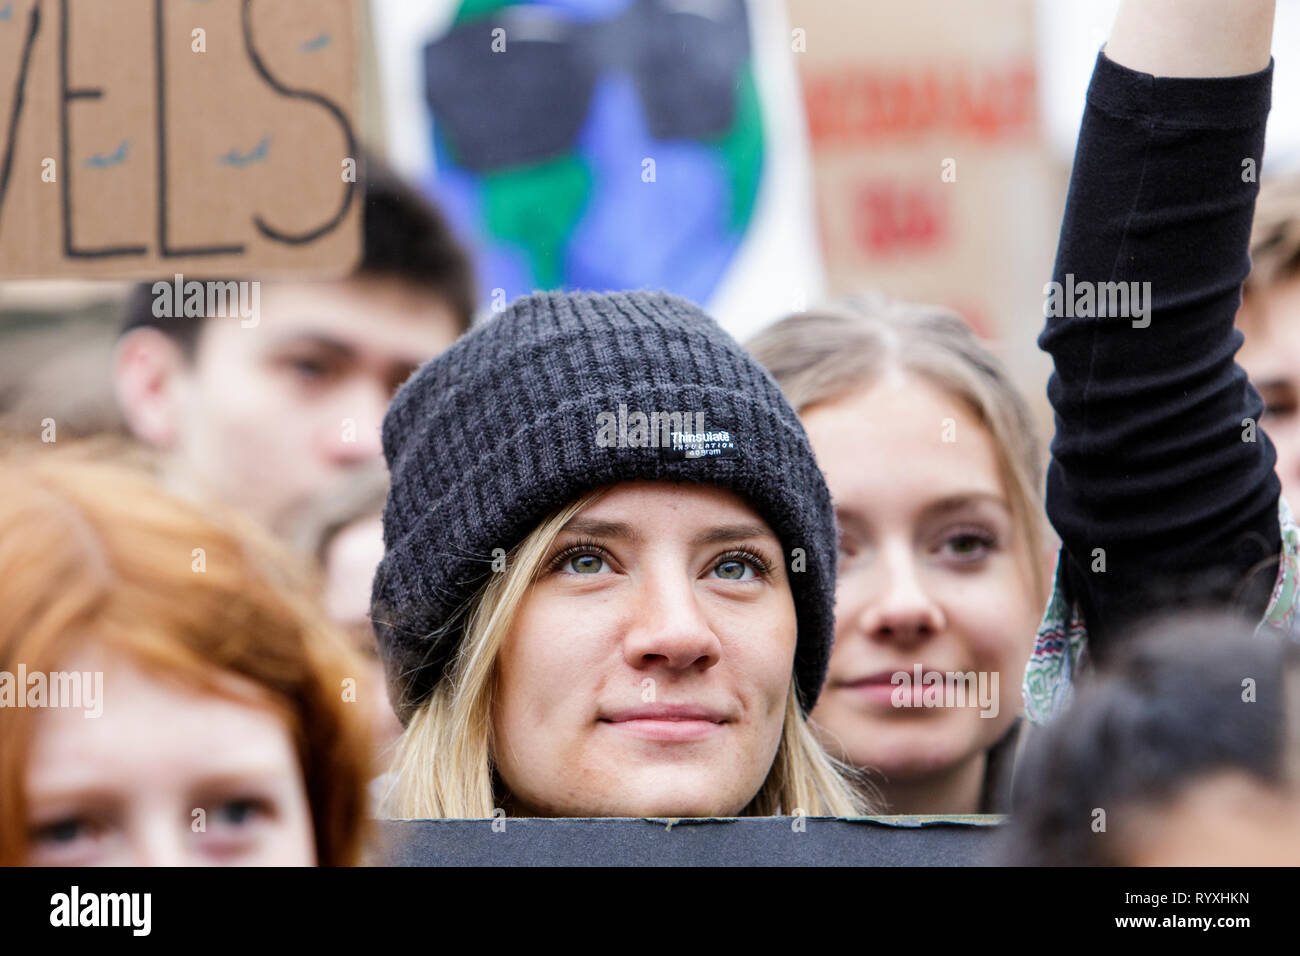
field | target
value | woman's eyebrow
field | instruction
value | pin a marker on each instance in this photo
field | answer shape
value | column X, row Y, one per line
column 260, row 776
column 616, row 530
column 735, row 532
column 957, row 502
column 55, row 802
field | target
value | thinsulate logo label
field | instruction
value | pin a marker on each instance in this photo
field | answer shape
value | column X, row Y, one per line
column 717, row 443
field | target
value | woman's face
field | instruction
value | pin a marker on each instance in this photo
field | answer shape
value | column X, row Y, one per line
column 166, row 776
column 934, row 573
column 647, row 670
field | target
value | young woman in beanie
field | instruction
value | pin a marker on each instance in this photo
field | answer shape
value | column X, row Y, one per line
column 608, row 575
column 1160, row 487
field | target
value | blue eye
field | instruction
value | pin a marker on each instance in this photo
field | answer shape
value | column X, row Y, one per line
column 742, row 565
column 586, row 564
column 733, row 570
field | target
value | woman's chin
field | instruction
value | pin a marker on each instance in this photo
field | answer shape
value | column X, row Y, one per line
column 909, row 756
column 668, row 801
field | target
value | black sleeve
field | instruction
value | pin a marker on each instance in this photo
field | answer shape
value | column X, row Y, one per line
column 1157, row 473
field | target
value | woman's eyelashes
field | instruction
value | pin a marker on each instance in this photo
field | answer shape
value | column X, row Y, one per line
column 967, row 545
column 964, row 546
column 66, row 838
column 240, row 812
column 234, row 825
column 590, row 558
column 219, row 827
column 742, row 564
column 583, row 558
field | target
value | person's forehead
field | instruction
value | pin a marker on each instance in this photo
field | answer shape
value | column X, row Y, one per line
column 631, row 502
column 913, row 441
column 149, row 726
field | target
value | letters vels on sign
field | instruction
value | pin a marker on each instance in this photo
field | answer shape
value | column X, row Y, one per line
column 129, row 149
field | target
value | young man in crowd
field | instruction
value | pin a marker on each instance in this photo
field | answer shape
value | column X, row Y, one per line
column 1270, row 321
column 272, row 414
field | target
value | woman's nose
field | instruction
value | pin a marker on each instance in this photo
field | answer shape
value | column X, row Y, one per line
column 670, row 626
column 899, row 608
column 160, row 842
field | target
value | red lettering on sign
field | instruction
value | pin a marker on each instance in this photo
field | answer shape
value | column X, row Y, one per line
column 891, row 218
column 864, row 105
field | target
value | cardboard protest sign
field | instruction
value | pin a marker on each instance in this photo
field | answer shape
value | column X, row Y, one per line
column 145, row 138
column 933, row 176
column 732, row 841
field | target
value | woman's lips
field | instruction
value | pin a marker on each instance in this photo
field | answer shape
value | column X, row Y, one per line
column 880, row 690
column 670, row 730
column 667, row 722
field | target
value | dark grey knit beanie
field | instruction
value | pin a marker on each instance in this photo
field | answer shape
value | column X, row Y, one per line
column 538, row 406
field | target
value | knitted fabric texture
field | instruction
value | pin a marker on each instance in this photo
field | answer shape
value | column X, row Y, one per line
column 489, row 438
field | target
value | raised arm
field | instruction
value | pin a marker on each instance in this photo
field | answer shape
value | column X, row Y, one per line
column 1192, row 38
column 1160, row 486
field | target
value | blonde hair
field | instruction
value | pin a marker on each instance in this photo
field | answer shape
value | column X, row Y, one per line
column 1275, row 237
column 825, row 354
column 443, row 767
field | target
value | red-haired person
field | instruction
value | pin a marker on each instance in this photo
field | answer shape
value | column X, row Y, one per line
column 174, row 697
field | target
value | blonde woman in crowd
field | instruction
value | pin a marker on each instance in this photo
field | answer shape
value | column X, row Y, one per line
column 1161, row 489
column 609, row 571
column 934, row 467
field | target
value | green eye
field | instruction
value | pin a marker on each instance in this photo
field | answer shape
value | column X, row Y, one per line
column 586, row 564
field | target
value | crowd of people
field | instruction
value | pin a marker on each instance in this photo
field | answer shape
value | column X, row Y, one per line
column 592, row 557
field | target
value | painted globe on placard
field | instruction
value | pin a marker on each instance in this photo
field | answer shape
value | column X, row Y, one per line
column 598, row 144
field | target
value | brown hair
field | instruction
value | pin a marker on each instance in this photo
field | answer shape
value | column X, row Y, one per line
column 404, row 238
column 91, row 547
column 1275, row 238
column 822, row 355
